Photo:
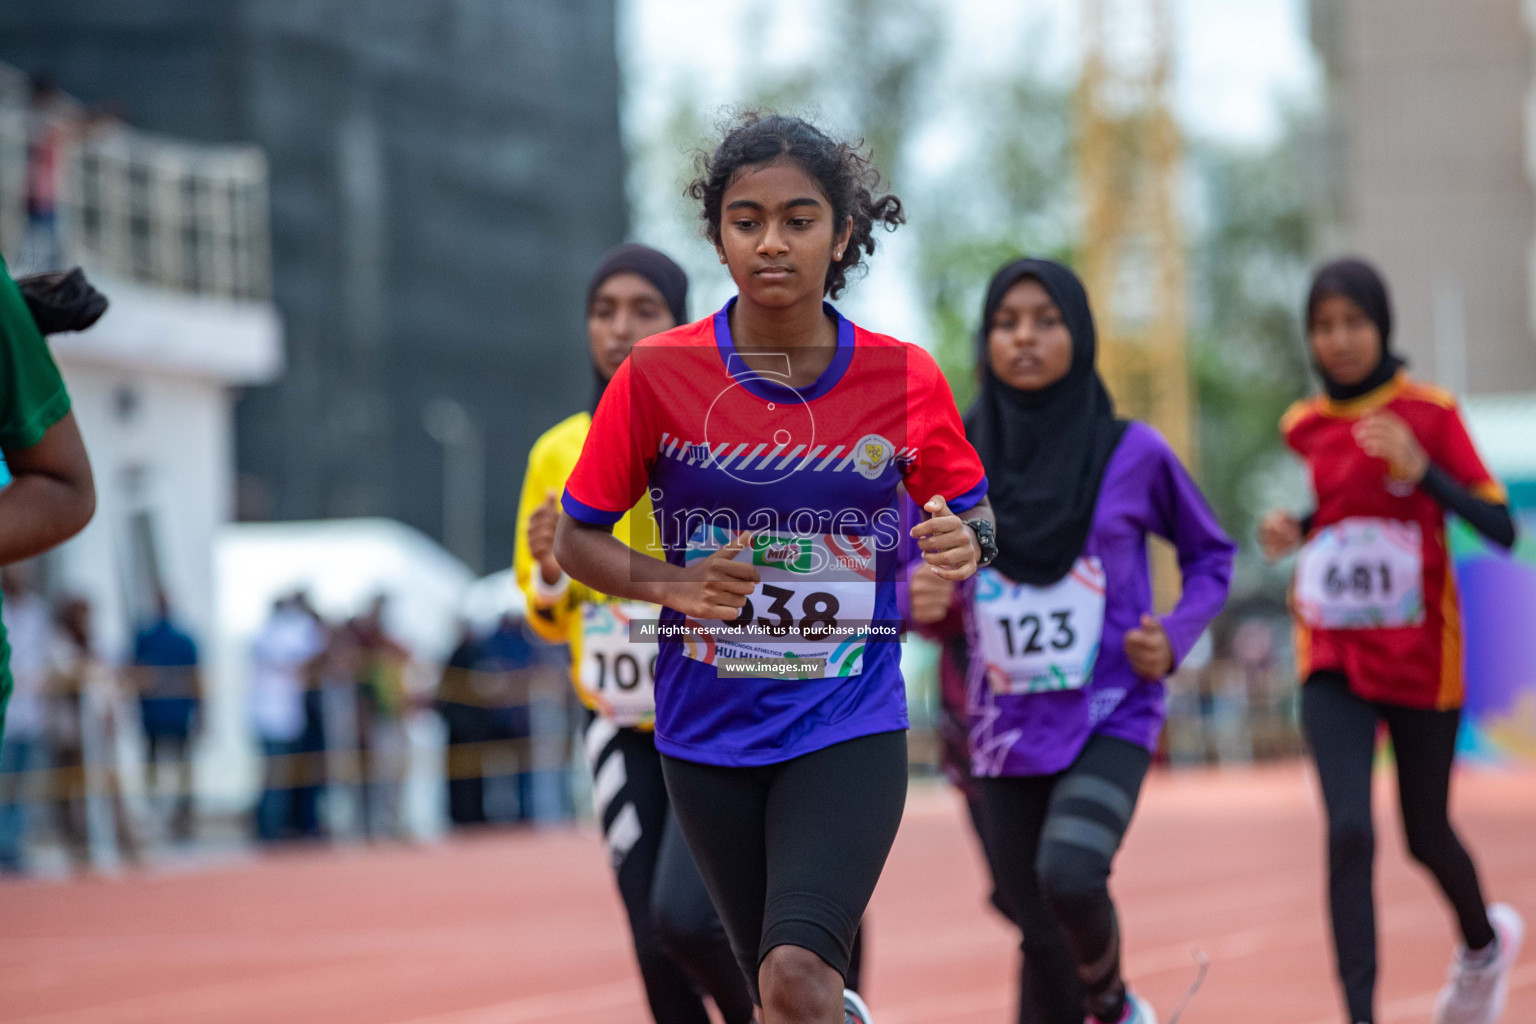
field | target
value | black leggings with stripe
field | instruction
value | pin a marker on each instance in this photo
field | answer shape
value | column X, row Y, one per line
column 1341, row 729
column 680, row 943
column 1050, row 841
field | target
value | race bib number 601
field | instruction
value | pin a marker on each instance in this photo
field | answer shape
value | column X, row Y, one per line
column 1362, row 573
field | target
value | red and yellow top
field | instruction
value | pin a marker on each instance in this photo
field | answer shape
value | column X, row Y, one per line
column 1413, row 666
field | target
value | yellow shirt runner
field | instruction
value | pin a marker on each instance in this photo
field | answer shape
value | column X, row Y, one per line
column 613, row 677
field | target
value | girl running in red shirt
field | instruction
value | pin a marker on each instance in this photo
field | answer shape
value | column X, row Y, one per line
column 1378, row 626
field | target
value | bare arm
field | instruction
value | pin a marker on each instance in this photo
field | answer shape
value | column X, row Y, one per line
column 51, row 496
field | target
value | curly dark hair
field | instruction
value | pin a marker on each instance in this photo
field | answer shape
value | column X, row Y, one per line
column 842, row 169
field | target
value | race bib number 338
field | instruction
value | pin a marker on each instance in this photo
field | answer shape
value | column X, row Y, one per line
column 1362, row 573
column 814, row 605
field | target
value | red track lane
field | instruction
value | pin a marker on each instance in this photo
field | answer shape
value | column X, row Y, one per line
column 526, row 929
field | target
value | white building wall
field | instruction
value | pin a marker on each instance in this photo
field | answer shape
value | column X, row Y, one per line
column 1428, row 100
column 159, row 445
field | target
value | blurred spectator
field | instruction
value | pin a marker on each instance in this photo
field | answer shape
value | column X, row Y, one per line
column 167, row 680
column 468, row 721
column 84, row 715
column 503, row 671
column 381, row 706
column 1274, row 711
column 307, row 756
column 280, row 658
column 23, row 755
column 336, row 705
column 47, row 134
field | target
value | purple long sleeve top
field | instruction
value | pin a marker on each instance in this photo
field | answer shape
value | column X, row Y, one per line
column 1145, row 490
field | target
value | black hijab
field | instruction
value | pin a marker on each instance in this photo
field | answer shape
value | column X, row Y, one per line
column 657, row 268
column 1044, row 451
column 1357, row 281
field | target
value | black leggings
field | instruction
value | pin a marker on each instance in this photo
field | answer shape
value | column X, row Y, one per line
column 679, row 941
column 1341, row 729
column 1050, row 841
column 791, row 852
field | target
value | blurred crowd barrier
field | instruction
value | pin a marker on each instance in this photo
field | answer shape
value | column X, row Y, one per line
column 355, row 738
column 344, row 732
column 358, row 741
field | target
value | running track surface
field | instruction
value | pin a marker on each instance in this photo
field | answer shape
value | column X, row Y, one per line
column 526, row 928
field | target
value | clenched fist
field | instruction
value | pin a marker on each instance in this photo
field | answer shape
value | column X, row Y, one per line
column 1148, row 648
column 1386, row 436
column 948, row 547
column 541, row 537
column 715, row 587
column 930, row 595
column 1279, row 534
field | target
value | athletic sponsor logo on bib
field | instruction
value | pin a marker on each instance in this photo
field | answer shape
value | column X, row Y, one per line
column 618, row 674
column 815, row 603
column 1362, row 573
column 1040, row 639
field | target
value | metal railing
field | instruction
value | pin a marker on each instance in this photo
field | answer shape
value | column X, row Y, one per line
column 132, row 204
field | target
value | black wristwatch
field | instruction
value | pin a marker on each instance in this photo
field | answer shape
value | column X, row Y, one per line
column 986, row 539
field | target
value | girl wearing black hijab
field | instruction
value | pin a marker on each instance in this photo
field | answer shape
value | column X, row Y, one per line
column 679, row 940
column 1064, row 686
column 1378, row 626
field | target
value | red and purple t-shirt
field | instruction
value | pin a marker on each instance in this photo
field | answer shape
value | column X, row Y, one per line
column 812, row 474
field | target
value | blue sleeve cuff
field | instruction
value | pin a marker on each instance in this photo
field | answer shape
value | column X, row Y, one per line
column 970, row 499
column 588, row 514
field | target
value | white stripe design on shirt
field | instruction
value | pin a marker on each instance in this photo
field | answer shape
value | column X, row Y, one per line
column 770, row 457
column 790, row 457
column 828, row 460
column 726, row 464
column 702, row 455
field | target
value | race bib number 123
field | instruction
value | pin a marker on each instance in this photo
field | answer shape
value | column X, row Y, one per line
column 1040, row 639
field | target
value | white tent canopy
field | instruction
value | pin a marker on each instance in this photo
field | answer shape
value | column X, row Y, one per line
column 343, row 564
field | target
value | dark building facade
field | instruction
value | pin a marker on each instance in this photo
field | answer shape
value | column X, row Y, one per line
column 444, row 174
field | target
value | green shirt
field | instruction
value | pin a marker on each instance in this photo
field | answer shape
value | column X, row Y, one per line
column 32, row 399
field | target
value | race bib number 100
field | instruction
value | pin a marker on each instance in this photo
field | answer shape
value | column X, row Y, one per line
column 1362, row 573
column 618, row 675
column 1040, row 639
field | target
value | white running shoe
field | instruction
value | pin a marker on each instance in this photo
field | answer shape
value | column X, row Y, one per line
column 1475, row 994
column 854, row 1010
column 1137, row 1011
